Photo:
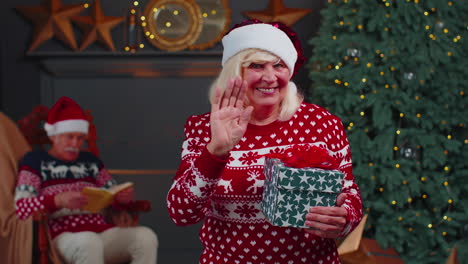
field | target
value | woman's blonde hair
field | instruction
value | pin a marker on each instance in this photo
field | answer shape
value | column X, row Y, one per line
column 233, row 68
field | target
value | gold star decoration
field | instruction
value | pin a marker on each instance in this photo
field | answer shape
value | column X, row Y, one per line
column 276, row 11
column 51, row 20
column 97, row 27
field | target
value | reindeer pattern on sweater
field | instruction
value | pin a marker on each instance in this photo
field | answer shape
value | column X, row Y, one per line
column 41, row 177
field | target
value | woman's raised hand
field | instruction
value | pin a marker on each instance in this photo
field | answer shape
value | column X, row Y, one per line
column 229, row 118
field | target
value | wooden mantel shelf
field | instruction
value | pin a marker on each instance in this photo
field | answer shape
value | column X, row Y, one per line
column 140, row 64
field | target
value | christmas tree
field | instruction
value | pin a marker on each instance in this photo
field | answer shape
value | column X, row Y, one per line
column 395, row 72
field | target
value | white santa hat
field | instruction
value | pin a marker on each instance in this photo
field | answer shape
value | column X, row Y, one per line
column 66, row 116
column 261, row 36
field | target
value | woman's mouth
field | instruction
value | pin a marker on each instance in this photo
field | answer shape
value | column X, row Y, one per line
column 266, row 90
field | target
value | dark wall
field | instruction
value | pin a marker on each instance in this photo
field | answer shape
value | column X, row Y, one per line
column 19, row 89
column 20, row 77
column 139, row 119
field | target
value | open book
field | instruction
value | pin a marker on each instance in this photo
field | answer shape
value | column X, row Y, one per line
column 99, row 198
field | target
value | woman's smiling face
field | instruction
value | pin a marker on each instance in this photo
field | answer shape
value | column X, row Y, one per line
column 266, row 83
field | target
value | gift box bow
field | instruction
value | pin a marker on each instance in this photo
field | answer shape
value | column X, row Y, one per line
column 304, row 156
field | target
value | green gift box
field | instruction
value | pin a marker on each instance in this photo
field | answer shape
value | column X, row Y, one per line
column 289, row 193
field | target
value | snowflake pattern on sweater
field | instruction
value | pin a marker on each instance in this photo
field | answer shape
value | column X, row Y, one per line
column 227, row 194
column 42, row 176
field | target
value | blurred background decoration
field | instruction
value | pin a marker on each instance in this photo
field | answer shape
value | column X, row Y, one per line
column 132, row 31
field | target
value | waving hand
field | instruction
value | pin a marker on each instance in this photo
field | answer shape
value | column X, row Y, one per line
column 229, row 118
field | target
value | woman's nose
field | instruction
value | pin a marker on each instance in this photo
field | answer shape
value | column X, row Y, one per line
column 269, row 75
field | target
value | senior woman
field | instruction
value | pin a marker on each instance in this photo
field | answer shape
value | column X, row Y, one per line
column 257, row 110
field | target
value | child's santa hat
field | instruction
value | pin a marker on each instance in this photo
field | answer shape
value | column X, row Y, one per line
column 66, row 116
column 274, row 37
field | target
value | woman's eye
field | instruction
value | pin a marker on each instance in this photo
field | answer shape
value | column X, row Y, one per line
column 279, row 65
column 255, row 66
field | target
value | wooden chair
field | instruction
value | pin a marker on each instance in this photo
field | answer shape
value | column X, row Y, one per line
column 32, row 128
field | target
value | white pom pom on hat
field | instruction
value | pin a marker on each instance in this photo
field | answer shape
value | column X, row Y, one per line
column 64, row 117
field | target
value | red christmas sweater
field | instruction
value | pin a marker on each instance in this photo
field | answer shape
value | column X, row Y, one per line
column 227, row 194
column 41, row 177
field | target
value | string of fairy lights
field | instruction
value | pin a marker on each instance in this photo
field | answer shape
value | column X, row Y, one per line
column 134, row 14
column 169, row 22
column 134, row 21
column 134, row 18
column 353, row 55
